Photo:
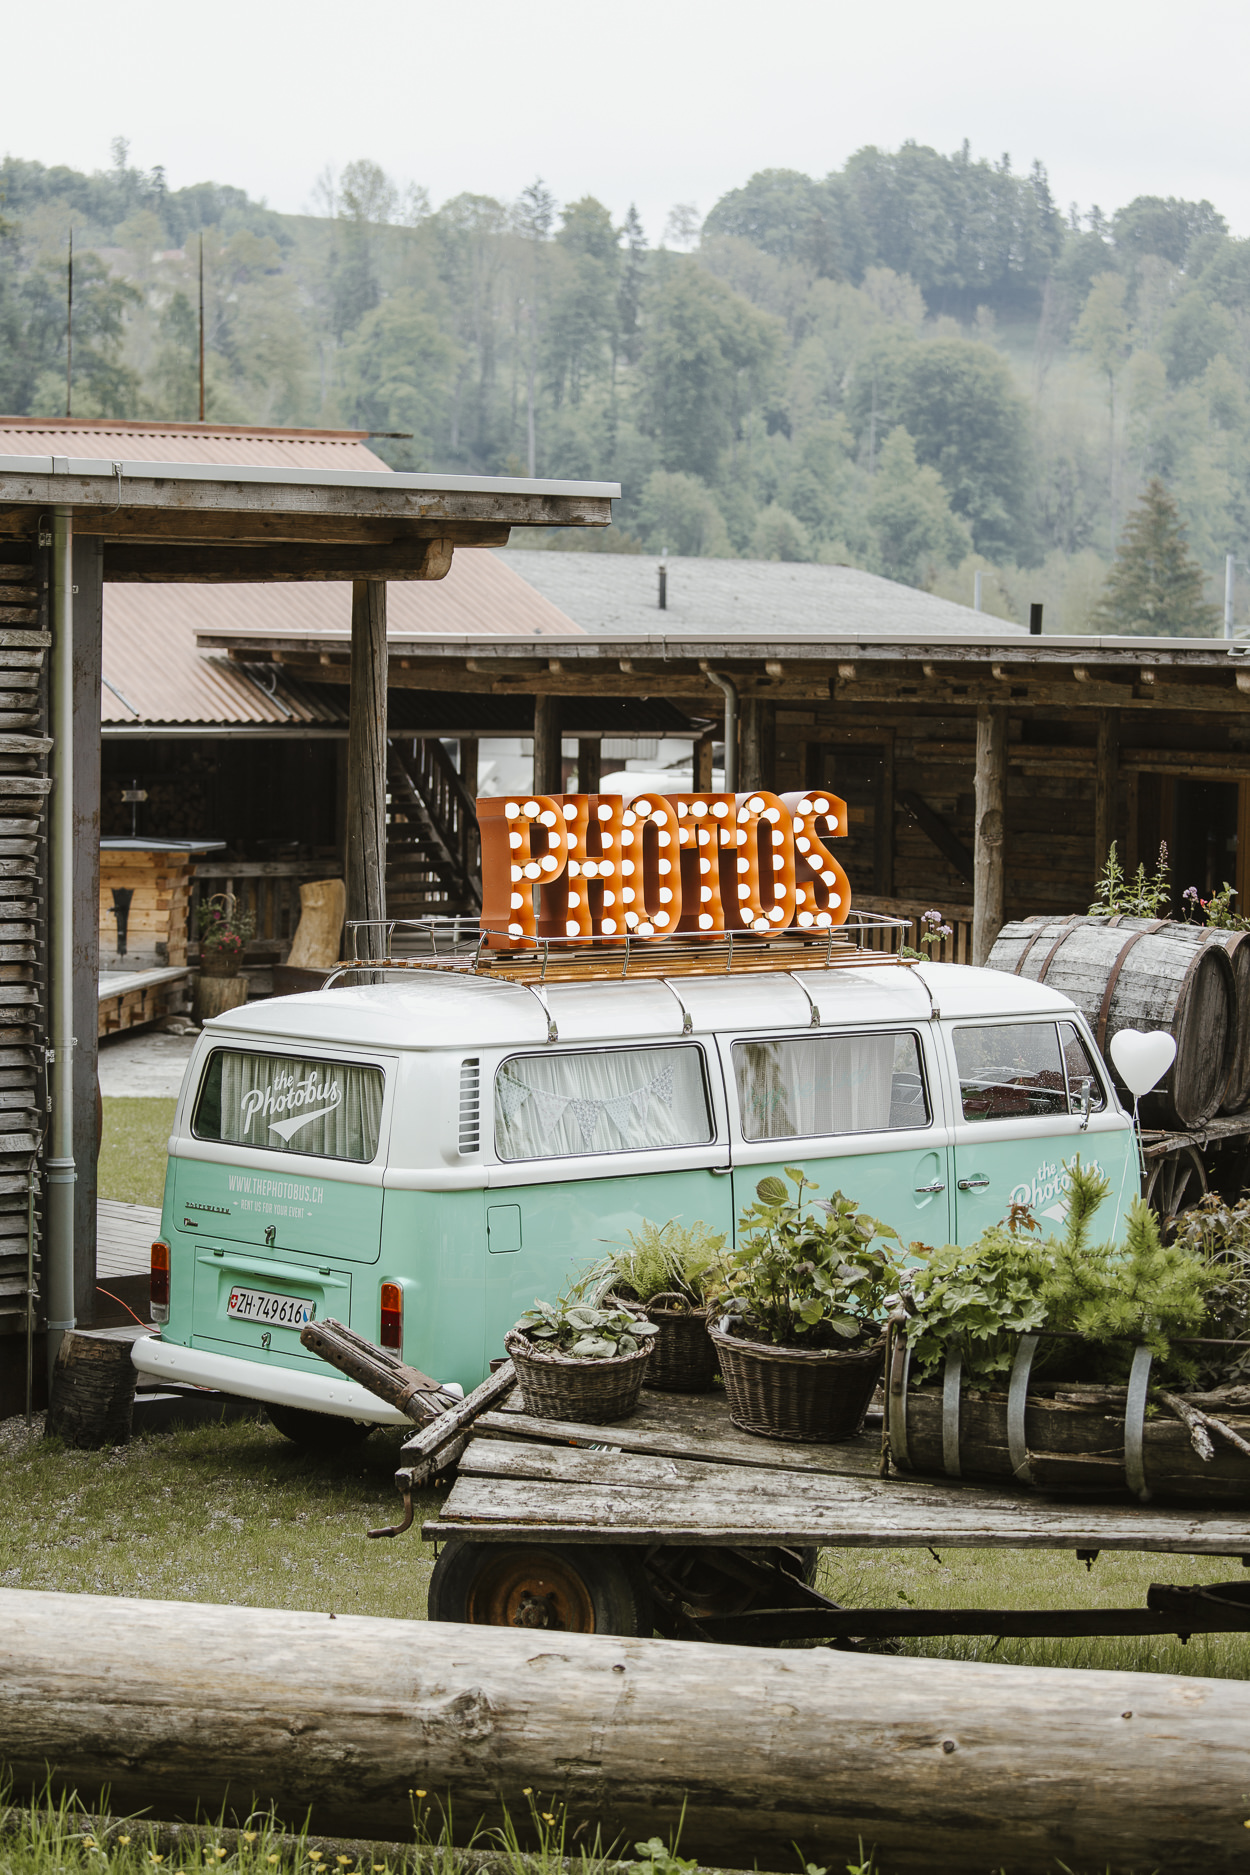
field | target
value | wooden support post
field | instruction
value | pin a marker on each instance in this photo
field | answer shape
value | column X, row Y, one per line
column 172, row 1706
column 366, row 762
column 701, row 764
column 548, row 761
column 469, row 749
column 589, row 764
column 884, row 843
column 988, row 847
column 751, row 759
column 1106, row 780
column 1242, row 880
column 88, row 625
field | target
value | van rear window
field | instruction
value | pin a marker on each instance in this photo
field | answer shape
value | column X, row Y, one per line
column 284, row 1103
column 821, row 1084
column 606, row 1100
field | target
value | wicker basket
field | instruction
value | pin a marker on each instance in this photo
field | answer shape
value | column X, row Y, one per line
column 817, row 1395
column 684, row 1360
column 555, row 1386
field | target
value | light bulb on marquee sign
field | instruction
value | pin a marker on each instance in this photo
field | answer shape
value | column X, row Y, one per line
column 699, row 865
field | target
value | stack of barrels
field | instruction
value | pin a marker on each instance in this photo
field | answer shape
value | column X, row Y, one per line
column 1145, row 973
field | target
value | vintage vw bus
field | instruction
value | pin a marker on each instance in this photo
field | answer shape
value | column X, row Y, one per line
column 421, row 1157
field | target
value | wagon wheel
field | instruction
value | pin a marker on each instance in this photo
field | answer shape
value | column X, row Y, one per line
column 1174, row 1182
column 573, row 1589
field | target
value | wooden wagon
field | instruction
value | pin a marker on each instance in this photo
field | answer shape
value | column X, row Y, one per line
column 676, row 1522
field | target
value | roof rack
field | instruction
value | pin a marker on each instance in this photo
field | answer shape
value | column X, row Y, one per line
column 462, row 944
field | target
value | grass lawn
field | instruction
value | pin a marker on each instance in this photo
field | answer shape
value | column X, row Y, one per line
column 132, row 1149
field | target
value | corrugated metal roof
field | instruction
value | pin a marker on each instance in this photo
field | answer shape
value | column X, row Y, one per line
column 150, row 652
column 237, row 445
column 618, row 593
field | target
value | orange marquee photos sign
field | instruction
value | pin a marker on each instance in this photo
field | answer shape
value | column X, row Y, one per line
column 691, row 865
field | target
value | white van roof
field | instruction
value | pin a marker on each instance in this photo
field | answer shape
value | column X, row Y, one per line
column 432, row 1009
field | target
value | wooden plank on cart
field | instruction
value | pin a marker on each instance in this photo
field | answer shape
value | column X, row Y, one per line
column 696, row 1427
column 428, row 1453
column 587, row 1497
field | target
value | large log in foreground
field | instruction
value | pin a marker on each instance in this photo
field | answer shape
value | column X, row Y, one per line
column 185, row 1708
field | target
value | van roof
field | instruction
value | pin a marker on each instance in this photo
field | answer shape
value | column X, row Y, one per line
column 431, row 1009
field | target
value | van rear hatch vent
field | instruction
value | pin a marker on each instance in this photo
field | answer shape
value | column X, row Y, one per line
column 470, row 1105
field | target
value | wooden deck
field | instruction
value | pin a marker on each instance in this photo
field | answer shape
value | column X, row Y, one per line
column 124, row 1234
column 677, row 1472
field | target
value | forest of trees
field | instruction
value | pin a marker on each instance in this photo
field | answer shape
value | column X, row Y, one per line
column 918, row 364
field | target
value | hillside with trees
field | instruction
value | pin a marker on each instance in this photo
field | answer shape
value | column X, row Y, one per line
column 917, row 365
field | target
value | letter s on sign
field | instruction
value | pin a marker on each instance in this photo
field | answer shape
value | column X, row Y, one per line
column 822, row 889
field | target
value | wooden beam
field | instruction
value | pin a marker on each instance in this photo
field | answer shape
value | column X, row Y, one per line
column 751, row 767
column 1106, row 785
column 548, row 765
column 989, row 842
column 737, row 1752
column 589, row 764
column 366, row 758
column 243, row 565
column 883, row 856
column 138, row 526
column 702, row 777
column 943, row 837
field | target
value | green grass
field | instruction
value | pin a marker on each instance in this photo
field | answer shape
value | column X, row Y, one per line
column 132, row 1149
column 226, row 1513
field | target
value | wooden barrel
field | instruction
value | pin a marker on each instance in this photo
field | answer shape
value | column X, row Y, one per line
column 1154, row 976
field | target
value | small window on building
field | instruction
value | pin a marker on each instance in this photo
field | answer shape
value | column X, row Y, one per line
column 284, row 1103
column 1083, row 1076
column 821, row 1084
column 612, row 1100
column 1011, row 1071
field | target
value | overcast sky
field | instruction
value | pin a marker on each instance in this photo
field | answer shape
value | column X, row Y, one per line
column 657, row 101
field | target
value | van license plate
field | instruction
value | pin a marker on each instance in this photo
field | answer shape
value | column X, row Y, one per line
column 257, row 1305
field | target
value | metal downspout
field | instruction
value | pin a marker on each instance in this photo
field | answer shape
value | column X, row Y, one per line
column 727, row 685
column 61, row 1173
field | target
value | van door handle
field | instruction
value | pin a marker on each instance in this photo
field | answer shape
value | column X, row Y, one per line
column 720, row 1171
column 977, row 1182
column 939, row 1184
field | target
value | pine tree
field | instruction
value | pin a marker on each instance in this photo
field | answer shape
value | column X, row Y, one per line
column 1155, row 587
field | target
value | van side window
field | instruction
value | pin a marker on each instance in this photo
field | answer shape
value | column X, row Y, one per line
column 1083, row 1076
column 797, row 1088
column 283, row 1103
column 608, row 1100
column 1011, row 1071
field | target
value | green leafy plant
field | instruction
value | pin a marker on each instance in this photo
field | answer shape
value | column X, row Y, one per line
column 934, row 932
column 583, row 1330
column 808, row 1271
column 1219, row 1233
column 1112, row 1296
column 1143, row 896
column 224, row 929
column 672, row 1260
column 1217, row 911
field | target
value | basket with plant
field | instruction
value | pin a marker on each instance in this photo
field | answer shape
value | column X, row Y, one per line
column 668, row 1271
column 580, row 1360
column 224, row 933
column 804, row 1297
column 1076, row 1363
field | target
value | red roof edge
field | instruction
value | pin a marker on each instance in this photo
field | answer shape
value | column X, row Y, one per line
column 153, row 426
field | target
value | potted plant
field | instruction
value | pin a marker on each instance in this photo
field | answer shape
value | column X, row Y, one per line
column 670, row 1270
column 801, row 1339
column 224, row 933
column 580, row 1360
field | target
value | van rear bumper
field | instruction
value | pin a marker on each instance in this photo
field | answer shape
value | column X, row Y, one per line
column 274, row 1386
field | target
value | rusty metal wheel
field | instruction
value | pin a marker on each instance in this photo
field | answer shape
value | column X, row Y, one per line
column 1174, row 1182
column 571, row 1589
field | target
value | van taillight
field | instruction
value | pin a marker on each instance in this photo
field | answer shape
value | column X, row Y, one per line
column 392, row 1316
column 160, row 1282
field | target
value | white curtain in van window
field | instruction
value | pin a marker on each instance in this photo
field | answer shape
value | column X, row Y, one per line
column 329, row 1109
column 622, row 1100
column 820, row 1084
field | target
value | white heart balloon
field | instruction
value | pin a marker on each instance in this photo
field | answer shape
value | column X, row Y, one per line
column 1142, row 1059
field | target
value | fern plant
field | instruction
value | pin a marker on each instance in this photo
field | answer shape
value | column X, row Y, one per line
column 680, row 1260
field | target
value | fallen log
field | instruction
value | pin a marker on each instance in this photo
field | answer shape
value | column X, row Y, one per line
column 194, row 1709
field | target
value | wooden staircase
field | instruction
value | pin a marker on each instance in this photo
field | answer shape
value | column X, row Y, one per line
column 432, row 859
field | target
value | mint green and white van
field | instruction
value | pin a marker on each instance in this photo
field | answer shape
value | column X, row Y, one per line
column 422, row 1157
